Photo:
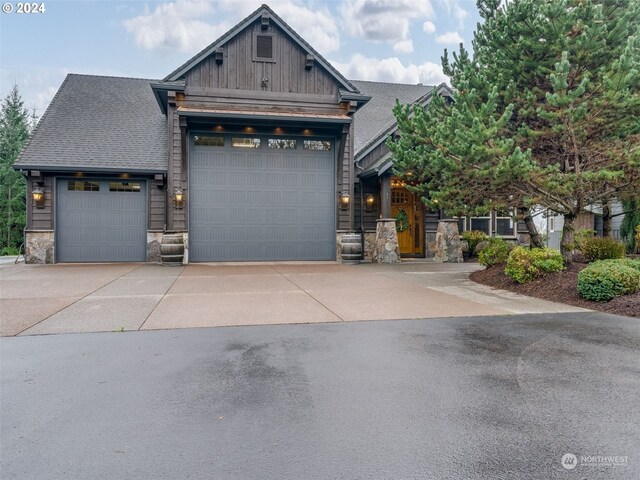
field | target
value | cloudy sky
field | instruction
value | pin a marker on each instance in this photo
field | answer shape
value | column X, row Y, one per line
column 383, row 40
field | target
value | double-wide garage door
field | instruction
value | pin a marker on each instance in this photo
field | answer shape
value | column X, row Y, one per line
column 101, row 220
column 261, row 198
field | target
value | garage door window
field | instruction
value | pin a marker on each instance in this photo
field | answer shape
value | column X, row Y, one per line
column 209, row 140
column 283, row 143
column 83, row 186
column 317, row 145
column 124, row 187
column 246, row 142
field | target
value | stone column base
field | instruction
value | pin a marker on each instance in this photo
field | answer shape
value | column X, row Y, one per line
column 386, row 249
column 448, row 247
column 39, row 246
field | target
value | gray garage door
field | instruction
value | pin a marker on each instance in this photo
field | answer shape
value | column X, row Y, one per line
column 101, row 220
column 261, row 198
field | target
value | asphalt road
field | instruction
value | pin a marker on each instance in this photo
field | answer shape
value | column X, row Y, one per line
column 464, row 398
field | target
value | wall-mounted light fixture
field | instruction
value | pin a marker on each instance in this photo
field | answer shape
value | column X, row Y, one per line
column 179, row 198
column 369, row 202
column 345, row 200
column 38, row 197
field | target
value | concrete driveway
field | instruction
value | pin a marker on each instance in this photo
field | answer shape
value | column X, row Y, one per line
column 45, row 299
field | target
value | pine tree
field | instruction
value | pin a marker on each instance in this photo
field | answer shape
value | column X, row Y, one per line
column 546, row 112
column 15, row 126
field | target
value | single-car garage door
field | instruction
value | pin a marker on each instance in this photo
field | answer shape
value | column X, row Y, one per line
column 261, row 198
column 101, row 220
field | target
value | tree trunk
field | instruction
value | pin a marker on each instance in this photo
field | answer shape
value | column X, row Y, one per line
column 535, row 237
column 567, row 241
column 606, row 220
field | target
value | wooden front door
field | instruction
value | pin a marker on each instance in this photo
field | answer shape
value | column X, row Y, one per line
column 406, row 205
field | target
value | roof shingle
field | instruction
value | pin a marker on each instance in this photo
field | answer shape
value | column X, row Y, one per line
column 98, row 122
column 376, row 116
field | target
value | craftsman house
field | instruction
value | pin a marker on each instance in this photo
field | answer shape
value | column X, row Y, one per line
column 254, row 149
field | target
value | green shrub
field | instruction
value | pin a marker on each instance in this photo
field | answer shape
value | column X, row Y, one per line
column 606, row 279
column 523, row 264
column 628, row 262
column 602, row 248
column 496, row 251
column 473, row 238
column 580, row 237
column 9, row 251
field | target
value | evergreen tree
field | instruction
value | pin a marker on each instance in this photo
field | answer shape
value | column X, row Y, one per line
column 545, row 112
column 15, row 126
column 630, row 222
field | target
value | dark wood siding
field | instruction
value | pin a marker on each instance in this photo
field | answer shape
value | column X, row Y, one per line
column 41, row 218
column 374, row 155
column 157, row 207
column 285, row 73
column 176, row 220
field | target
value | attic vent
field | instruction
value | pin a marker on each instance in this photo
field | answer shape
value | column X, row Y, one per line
column 264, row 46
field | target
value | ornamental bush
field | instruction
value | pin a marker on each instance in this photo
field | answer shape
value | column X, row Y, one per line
column 604, row 280
column 495, row 251
column 628, row 262
column 523, row 264
column 473, row 238
column 602, row 248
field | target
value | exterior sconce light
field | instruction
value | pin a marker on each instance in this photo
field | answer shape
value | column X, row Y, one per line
column 38, row 197
column 345, row 199
column 370, row 200
column 179, row 198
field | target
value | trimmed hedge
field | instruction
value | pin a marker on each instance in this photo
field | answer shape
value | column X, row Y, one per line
column 602, row 248
column 523, row 264
column 494, row 252
column 604, row 280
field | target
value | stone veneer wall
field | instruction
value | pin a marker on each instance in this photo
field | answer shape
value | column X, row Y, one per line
column 448, row 247
column 154, row 239
column 386, row 249
column 369, row 245
column 39, row 247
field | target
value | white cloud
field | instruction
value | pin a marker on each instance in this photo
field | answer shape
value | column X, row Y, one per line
column 449, row 38
column 391, row 70
column 428, row 27
column 382, row 20
column 175, row 25
column 403, row 46
column 453, row 8
column 189, row 25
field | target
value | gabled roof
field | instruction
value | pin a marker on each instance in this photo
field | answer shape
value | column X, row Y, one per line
column 178, row 73
column 375, row 120
column 99, row 123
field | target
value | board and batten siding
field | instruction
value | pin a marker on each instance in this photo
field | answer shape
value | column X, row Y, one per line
column 157, row 206
column 41, row 218
column 285, row 73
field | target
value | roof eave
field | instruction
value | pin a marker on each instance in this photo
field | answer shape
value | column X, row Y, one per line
column 89, row 169
column 378, row 139
column 161, row 90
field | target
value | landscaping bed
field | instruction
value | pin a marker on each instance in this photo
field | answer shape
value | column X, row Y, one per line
column 558, row 287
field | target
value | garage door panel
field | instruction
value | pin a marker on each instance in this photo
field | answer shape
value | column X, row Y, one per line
column 101, row 226
column 261, row 204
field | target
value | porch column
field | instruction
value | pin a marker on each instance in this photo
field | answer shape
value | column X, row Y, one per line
column 385, row 197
